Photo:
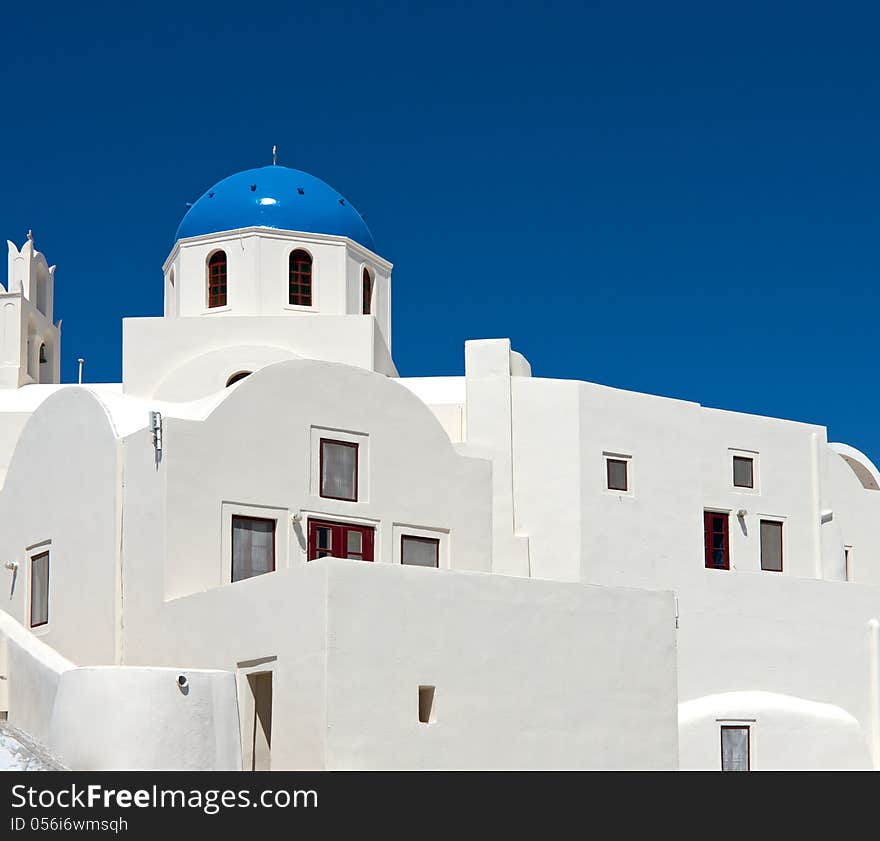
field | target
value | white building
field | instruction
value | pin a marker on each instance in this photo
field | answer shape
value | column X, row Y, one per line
column 562, row 574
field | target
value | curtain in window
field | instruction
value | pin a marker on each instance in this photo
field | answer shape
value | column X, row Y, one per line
column 253, row 547
column 339, row 470
column 40, row 589
column 734, row 748
column 420, row 553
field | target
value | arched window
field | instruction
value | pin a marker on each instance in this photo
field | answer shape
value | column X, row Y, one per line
column 236, row 377
column 368, row 291
column 217, row 279
column 43, row 359
column 300, row 290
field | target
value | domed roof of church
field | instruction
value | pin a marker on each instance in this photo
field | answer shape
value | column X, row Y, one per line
column 274, row 197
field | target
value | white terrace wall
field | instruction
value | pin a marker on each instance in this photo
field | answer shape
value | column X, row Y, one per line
column 527, row 674
column 349, row 643
column 118, row 718
column 60, row 496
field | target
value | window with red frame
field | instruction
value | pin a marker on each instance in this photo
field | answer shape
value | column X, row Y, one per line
column 340, row 540
column 217, row 280
column 300, row 290
column 368, row 292
column 717, row 540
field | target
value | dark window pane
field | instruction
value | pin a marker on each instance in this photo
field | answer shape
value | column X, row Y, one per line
column 420, row 551
column 617, row 474
column 771, row 546
column 743, row 472
column 253, row 547
column 40, row 589
column 339, row 470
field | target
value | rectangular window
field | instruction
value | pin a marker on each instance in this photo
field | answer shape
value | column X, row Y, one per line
column 771, row 545
column 743, row 472
column 847, row 560
column 253, row 546
column 340, row 540
column 419, row 551
column 616, row 469
column 735, row 750
column 39, row 589
column 717, row 540
column 339, row 470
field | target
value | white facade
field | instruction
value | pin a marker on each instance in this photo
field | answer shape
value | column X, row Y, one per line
column 575, row 618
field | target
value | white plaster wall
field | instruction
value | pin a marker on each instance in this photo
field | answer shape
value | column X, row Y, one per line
column 276, row 620
column 32, row 672
column 60, row 495
column 256, row 449
column 786, row 733
column 527, row 674
column 188, row 358
column 117, row 718
column 258, row 272
column 855, row 522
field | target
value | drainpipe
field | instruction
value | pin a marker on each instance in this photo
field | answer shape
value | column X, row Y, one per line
column 874, row 672
column 817, row 503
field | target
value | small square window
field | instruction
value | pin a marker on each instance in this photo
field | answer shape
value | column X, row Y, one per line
column 39, row 589
column 339, row 470
column 253, row 547
column 743, row 472
column 617, row 469
column 771, row 545
column 419, row 551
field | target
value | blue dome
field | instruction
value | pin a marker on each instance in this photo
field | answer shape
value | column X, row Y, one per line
column 274, row 197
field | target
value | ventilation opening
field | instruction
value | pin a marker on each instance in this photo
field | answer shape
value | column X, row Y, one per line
column 236, row 377
column 426, row 704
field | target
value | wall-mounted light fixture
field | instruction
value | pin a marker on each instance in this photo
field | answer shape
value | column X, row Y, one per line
column 296, row 517
column 741, row 513
column 12, row 566
column 156, row 428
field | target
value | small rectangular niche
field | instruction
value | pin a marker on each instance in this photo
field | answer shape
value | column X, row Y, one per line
column 426, row 704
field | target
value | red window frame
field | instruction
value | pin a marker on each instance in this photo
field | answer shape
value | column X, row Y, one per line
column 321, row 469
column 625, row 463
column 711, row 522
column 751, row 462
column 299, row 290
column 367, row 292
column 34, row 559
column 417, row 539
column 217, row 280
column 235, row 517
column 339, row 532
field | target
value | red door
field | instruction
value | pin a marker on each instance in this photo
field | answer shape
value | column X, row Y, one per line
column 340, row 540
column 717, row 540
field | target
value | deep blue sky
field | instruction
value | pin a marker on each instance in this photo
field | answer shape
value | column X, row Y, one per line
column 678, row 198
